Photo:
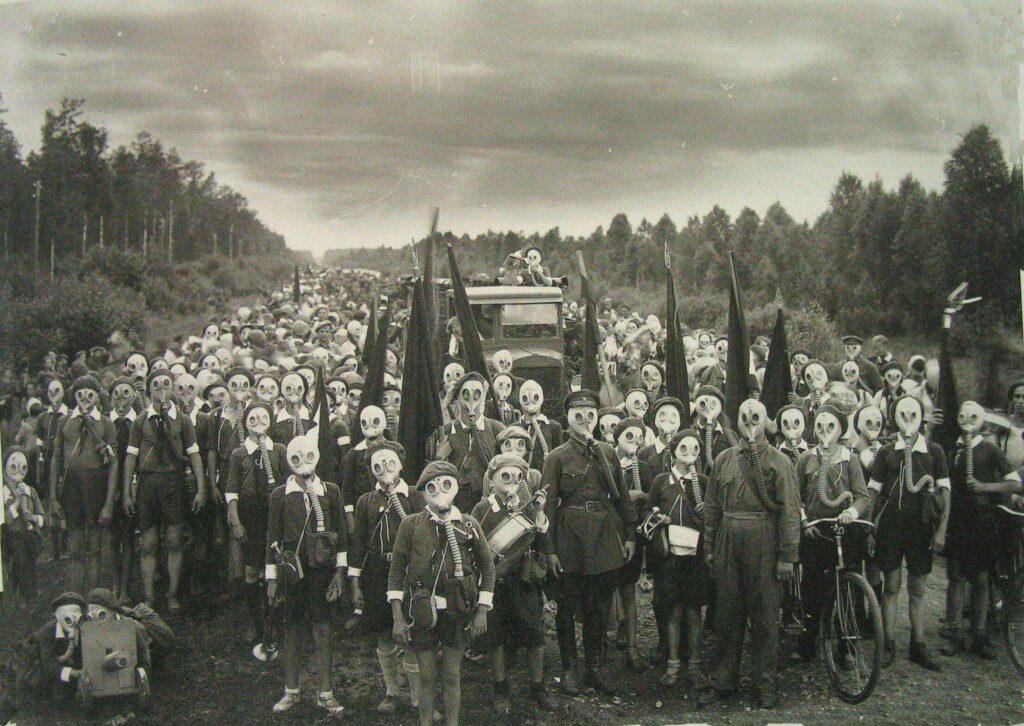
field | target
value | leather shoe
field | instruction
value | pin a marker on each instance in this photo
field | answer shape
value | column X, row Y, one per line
column 766, row 697
column 888, row 653
column 983, row 648
column 711, row 696
column 594, row 679
column 919, row 654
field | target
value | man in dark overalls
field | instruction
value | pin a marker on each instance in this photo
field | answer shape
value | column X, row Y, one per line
column 592, row 526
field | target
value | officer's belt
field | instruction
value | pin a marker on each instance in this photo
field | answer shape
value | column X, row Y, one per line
column 592, row 506
column 745, row 515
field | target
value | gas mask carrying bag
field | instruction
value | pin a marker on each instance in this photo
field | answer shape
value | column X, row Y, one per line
column 422, row 609
column 462, row 593
column 321, row 548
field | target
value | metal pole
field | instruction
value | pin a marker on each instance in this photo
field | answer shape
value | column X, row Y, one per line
column 170, row 233
column 35, row 245
column 101, row 231
column 85, row 231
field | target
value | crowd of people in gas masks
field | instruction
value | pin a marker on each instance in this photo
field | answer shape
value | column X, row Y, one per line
column 190, row 479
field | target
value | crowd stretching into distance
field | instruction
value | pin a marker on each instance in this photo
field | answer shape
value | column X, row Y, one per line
column 258, row 464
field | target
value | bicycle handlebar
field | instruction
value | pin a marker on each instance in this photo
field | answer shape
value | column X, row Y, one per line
column 834, row 520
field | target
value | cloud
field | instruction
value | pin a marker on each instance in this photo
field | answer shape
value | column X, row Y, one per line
column 343, row 123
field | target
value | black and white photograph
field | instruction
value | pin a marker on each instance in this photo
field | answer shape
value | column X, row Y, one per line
column 525, row 362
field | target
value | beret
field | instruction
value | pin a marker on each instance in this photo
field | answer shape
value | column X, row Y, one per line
column 582, row 397
column 631, row 422
column 852, row 340
column 85, row 382
column 667, row 401
column 259, row 404
column 238, row 371
column 68, row 598
column 435, row 469
column 466, row 378
column 843, row 421
column 502, row 460
column 710, row 391
column 800, row 351
column 893, row 365
column 512, row 432
column 678, row 436
column 610, row 411
column 153, row 375
column 11, row 450
column 209, row 388
column 383, row 444
column 789, row 407
column 103, row 597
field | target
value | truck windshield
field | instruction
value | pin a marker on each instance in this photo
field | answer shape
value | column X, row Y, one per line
column 529, row 320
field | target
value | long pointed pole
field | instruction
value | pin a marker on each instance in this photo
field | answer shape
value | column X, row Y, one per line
column 85, row 231
column 101, row 231
column 35, row 244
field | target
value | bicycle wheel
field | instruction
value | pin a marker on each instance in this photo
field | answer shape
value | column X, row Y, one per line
column 852, row 638
column 1013, row 624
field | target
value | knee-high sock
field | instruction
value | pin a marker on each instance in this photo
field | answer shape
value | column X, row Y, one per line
column 389, row 668
column 254, row 606
column 412, row 674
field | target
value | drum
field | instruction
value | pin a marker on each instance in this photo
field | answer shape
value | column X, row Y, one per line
column 509, row 541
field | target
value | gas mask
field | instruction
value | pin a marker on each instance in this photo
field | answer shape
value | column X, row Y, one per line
column 224, row 357
column 637, row 404
column 303, row 456
column 687, row 451
column 908, row 417
column 386, row 466
column 309, row 376
column 666, row 420
column 68, row 617
column 709, row 408
column 218, row 396
column 752, row 415
column 136, row 366
column 267, row 390
column 177, row 370
column 257, row 422
column 471, row 397
column 851, row 372
column 16, row 468
column 651, row 378
column 392, row 401
column 160, row 388
column 372, row 421
column 507, row 480
column 704, row 340
column 792, row 424
column 85, row 398
column 160, row 365
column 826, row 429
column 55, row 393
column 354, row 394
column 606, row 427
column 502, row 361
column 453, row 372
column 582, row 420
column 210, row 363
column 971, row 417
column 533, row 258
column 339, row 392
column 319, row 357
column 815, row 376
column 260, row 365
column 515, row 445
column 186, row 388
column 531, row 397
column 99, row 614
column 502, row 386
column 629, row 441
column 355, row 330
column 869, row 423
column 440, row 493
column 852, row 350
column 293, row 388
column 239, row 387
column 211, row 332
column 893, row 379
column 722, row 348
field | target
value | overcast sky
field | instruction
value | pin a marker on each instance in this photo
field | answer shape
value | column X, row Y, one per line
column 344, row 122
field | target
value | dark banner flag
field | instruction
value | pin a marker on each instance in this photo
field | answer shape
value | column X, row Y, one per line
column 590, row 375
column 778, row 381
column 677, row 379
column 296, row 290
column 421, row 408
column 475, row 360
column 327, row 467
column 373, row 388
column 371, row 337
column 737, row 367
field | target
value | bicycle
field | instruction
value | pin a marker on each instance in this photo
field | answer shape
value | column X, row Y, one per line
column 851, row 633
column 1012, row 586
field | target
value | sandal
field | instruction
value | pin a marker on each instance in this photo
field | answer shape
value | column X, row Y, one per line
column 671, row 676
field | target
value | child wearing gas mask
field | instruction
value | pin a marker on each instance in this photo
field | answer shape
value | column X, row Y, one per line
column 909, row 489
column 667, row 415
column 306, row 558
column 378, row 514
column 712, row 424
column 294, row 418
column 546, row 435
column 441, row 586
column 59, row 651
column 831, row 485
column 680, row 580
column 356, row 476
column 518, row 615
column 629, row 437
column 23, row 522
column 790, row 430
column 122, row 528
column 257, row 467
